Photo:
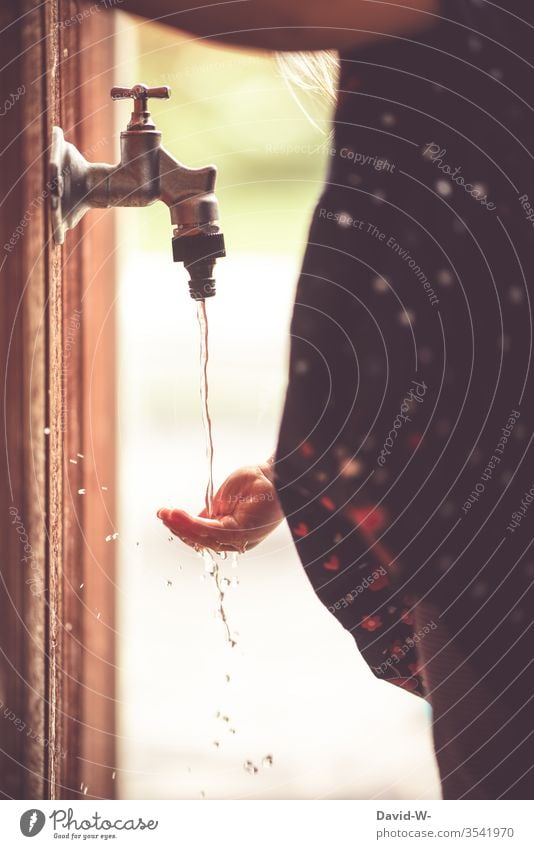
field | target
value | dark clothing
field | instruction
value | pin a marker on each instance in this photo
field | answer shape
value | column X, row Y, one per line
column 406, row 460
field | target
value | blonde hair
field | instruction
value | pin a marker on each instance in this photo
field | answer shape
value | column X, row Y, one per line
column 311, row 71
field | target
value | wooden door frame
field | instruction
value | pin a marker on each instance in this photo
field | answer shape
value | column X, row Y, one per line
column 57, row 356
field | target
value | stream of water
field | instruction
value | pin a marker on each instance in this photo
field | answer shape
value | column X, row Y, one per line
column 211, row 564
column 212, row 567
column 204, row 357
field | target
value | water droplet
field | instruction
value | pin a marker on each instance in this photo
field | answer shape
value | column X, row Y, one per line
column 85, row 789
column 80, row 455
column 81, row 492
column 113, row 775
column 169, row 583
column 227, row 679
column 68, row 626
column 81, row 586
column 216, row 744
column 104, row 488
column 249, row 767
column 98, row 615
column 231, row 730
column 267, row 761
column 111, row 537
column 74, row 461
column 46, row 431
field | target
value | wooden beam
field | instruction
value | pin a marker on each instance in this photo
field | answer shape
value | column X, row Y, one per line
column 57, row 356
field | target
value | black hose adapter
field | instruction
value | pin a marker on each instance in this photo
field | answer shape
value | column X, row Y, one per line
column 198, row 254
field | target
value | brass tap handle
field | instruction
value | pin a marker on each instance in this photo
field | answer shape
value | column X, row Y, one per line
column 140, row 93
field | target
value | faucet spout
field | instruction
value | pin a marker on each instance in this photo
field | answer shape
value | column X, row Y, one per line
column 198, row 241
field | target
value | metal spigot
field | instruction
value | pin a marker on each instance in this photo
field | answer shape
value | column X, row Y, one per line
column 140, row 119
column 146, row 173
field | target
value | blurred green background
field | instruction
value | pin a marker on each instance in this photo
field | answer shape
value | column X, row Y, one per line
column 233, row 108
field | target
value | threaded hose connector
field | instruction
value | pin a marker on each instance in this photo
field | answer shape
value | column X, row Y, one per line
column 198, row 254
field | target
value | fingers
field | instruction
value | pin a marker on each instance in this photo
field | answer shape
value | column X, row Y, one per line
column 199, row 531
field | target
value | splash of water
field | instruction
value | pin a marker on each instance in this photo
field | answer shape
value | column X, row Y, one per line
column 211, row 567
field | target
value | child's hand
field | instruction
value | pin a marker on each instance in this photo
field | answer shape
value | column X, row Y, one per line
column 245, row 511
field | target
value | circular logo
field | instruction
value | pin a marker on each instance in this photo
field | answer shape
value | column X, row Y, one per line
column 32, row 822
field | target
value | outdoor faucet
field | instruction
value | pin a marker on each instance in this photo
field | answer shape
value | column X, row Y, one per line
column 146, row 173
